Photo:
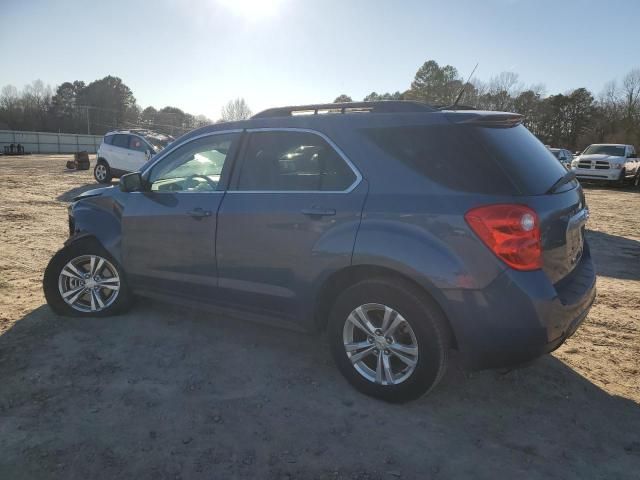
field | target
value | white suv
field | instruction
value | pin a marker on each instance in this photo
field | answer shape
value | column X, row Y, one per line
column 610, row 162
column 125, row 151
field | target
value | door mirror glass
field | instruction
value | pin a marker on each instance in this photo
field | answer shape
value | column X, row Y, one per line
column 131, row 182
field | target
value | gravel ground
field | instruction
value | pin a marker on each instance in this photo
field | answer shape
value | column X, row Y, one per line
column 166, row 393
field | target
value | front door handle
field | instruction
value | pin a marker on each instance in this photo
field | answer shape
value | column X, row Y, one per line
column 199, row 213
column 318, row 212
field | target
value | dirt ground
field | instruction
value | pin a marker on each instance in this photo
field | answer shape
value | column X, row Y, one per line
column 163, row 393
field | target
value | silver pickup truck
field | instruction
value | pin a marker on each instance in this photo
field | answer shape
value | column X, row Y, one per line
column 609, row 162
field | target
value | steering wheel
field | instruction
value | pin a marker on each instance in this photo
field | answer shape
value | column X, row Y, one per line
column 211, row 183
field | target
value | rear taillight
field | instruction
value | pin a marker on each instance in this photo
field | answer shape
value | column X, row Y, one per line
column 512, row 232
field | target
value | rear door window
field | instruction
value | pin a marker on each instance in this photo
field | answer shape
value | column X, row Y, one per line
column 121, row 141
column 292, row 161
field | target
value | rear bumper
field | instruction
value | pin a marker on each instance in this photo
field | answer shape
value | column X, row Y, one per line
column 521, row 315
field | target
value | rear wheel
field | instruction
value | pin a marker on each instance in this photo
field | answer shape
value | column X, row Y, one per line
column 102, row 172
column 82, row 279
column 388, row 339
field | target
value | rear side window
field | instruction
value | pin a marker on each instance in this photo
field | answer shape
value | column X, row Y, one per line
column 108, row 139
column 293, row 161
column 121, row 141
column 445, row 154
column 530, row 165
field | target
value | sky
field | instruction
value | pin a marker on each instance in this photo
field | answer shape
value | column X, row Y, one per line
column 199, row 54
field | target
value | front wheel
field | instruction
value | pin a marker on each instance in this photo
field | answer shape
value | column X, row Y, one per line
column 389, row 339
column 102, row 172
column 82, row 279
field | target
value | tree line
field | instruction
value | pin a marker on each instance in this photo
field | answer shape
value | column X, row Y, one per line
column 572, row 120
column 96, row 108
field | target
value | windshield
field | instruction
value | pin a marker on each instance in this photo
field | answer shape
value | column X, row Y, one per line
column 556, row 153
column 612, row 150
column 157, row 143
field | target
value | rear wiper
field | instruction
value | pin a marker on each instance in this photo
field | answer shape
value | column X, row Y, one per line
column 566, row 178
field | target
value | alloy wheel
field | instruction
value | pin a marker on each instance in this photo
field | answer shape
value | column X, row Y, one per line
column 101, row 172
column 380, row 344
column 89, row 283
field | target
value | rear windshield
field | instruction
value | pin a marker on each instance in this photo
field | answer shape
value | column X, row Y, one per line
column 501, row 161
column 612, row 150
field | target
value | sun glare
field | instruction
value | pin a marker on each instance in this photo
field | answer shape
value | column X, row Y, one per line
column 252, row 9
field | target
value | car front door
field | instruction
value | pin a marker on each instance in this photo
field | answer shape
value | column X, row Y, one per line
column 289, row 218
column 137, row 155
column 169, row 230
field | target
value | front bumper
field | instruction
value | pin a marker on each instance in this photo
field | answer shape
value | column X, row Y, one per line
column 521, row 315
column 611, row 174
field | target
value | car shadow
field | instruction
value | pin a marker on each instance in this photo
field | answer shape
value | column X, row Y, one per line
column 69, row 195
column 627, row 187
column 615, row 256
column 166, row 392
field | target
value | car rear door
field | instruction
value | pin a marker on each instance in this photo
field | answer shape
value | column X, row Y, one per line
column 289, row 218
column 169, row 231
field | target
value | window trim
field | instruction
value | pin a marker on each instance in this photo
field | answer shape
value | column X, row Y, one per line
column 234, row 181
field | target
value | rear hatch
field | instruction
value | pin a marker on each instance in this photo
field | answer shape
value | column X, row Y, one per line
column 533, row 171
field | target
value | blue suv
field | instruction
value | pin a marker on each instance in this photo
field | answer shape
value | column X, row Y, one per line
column 399, row 229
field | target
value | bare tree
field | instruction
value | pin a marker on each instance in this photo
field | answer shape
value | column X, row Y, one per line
column 631, row 93
column 235, row 110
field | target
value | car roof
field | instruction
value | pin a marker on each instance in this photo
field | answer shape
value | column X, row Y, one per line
column 324, row 116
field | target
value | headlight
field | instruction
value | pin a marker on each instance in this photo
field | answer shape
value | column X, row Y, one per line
column 617, row 166
column 574, row 163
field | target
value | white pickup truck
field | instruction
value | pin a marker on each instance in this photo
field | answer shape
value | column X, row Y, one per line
column 611, row 162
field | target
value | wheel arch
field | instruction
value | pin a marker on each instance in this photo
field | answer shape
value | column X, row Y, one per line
column 342, row 279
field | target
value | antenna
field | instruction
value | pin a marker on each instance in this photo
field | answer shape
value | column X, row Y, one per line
column 455, row 104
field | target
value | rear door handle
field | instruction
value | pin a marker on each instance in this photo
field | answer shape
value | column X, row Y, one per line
column 199, row 213
column 318, row 212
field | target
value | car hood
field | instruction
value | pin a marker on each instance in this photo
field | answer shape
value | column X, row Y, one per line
column 96, row 192
column 600, row 156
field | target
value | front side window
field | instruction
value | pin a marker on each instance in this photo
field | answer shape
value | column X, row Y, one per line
column 136, row 143
column 193, row 167
column 293, row 161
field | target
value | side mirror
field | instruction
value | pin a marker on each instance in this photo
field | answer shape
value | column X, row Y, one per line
column 131, row 182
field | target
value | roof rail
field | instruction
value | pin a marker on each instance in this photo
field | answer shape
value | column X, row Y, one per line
column 384, row 106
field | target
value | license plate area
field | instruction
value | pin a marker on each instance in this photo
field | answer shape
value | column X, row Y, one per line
column 575, row 237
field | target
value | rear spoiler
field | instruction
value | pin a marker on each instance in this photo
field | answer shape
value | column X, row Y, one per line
column 486, row 119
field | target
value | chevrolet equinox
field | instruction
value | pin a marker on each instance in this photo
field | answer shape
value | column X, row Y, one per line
column 399, row 229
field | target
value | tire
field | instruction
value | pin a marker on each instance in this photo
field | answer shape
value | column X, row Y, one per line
column 622, row 179
column 102, row 172
column 105, row 292
column 428, row 331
